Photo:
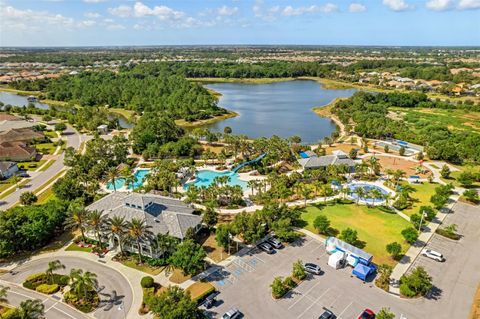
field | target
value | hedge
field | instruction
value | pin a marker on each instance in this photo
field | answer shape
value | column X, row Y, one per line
column 146, row 282
column 48, row 289
column 35, row 280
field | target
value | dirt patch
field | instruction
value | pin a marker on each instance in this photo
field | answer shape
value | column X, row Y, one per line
column 178, row 277
column 395, row 163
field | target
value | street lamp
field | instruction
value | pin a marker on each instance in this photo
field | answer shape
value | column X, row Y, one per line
column 421, row 221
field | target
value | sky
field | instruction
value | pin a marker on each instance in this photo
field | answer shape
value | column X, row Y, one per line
column 195, row 22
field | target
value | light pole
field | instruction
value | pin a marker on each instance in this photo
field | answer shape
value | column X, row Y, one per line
column 421, row 221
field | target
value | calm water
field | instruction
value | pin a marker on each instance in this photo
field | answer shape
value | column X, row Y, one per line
column 139, row 174
column 19, row 100
column 283, row 109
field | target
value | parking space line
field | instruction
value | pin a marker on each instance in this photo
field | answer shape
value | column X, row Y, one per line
column 340, row 315
column 304, row 294
column 313, row 303
column 51, row 306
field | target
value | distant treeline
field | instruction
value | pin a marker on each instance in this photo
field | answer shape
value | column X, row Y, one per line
column 368, row 113
column 143, row 88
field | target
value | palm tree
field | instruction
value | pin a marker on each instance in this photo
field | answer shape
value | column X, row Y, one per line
column 15, row 179
column 344, row 191
column 81, row 283
column 31, row 309
column 112, row 175
column 360, row 192
column 397, row 175
column 139, row 231
column 374, row 165
column 78, row 217
column 130, row 181
column 324, row 191
column 374, row 194
column 306, row 192
column 52, row 266
column 96, row 221
column 3, row 294
column 252, row 184
column 116, row 226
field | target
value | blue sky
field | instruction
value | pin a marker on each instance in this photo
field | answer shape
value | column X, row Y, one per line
column 174, row 22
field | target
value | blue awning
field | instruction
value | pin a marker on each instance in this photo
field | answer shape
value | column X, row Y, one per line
column 361, row 271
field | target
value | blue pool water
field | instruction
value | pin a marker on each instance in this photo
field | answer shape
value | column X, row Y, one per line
column 205, row 178
column 139, row 179
column 366, row 188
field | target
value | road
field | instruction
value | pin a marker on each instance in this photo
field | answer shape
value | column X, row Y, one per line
column 74, row 139
column 54, row 309
column 114, row 288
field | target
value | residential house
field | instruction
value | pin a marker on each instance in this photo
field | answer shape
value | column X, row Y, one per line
column 8, row 169
column 14, row 144
column 164, row 215
column 337, row 158
column 25, row 135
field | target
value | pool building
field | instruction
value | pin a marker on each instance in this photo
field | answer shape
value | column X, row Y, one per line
column 337, row 158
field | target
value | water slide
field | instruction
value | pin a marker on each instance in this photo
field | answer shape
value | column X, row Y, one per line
column 249, row 162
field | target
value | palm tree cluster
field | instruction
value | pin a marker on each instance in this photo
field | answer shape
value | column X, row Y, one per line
column 134, row 231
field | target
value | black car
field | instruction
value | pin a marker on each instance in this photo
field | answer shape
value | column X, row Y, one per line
column 266, row 247
column 209, row 301
column 327, row 314
column 275, row 242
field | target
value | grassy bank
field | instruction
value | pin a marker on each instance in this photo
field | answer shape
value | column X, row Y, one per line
column 185, row 124
column 4, row 88
column 240, row 80
column 129, row 115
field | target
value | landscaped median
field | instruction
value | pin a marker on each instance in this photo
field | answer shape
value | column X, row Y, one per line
column 280, row 286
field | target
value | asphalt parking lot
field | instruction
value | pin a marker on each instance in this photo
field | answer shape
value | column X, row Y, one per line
column 245, row 284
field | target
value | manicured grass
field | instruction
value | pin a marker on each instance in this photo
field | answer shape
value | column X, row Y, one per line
column 6, row 193
column 75, row 247
column 5, row 184
column 177, row 276
column 375, row 227
column 46, row 148
column 31, row 166
column 464, row 168
column 127, row 114
column 46, row 196
column 214, row 252
column 132, row 263
column 422, row 197
column 50, row 134
column 200, row 289
column 47, row 165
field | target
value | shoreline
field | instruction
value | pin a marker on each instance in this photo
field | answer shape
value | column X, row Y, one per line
column 325, row 112
column 240, row 80
column 184, row 124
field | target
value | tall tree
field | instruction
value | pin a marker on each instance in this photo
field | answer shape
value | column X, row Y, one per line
column 138, row 231
column 52, row 266
column 78, row 217
column 116, row 226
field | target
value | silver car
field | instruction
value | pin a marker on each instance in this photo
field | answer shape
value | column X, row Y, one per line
column 231, row 314
column 313, row 268
column 432, row 254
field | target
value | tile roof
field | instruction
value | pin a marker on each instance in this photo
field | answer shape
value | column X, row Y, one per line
column 20, row 135
column 324, row 161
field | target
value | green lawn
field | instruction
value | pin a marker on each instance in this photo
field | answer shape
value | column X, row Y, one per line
column 374, row 227
column 75, row 247
column 50, row 134
column 31, row 166
column 464, row 168
column 46, row 148
column 422, row 197
column 46, row 196
column 143, row 268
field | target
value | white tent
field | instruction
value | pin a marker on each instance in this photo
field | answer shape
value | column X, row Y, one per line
column 335, row 259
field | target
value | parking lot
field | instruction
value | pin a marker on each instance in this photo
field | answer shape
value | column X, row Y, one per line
column 245, row 284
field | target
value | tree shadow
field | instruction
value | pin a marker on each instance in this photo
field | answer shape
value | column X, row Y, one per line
column 434, row 293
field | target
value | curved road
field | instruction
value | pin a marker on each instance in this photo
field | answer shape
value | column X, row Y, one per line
column 116, row 295
column 74, row 139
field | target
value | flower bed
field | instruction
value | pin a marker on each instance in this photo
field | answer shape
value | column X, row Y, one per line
column 40, row 282
column 83, row 304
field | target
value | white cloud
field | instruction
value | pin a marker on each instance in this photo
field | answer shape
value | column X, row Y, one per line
column 92, row 15
column 356, row 7
column 115, row 27
column 121, row 11
column 439, row 5
column 469, row 4
column 398, row 5
column 227, row 11
column 291, row 11
column 94, row 1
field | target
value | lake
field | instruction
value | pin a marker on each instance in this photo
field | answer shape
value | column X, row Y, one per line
column 281, row 108
column 20, row 100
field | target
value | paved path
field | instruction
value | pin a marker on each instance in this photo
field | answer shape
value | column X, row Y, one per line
column 38, row 179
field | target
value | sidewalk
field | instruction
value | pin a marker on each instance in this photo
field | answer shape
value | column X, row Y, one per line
column 411, row 255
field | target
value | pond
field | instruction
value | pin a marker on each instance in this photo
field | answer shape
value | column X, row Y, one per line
column 20, row 100
column 281, row 108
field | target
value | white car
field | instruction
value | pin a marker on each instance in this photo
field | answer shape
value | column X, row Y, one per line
column 432, row 254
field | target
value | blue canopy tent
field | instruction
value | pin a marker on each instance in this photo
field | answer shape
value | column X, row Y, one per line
column 362, row 271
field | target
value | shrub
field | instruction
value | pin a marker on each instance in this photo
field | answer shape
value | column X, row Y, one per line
column 385, row 313
column 417, row 283
column 471, row 195
column 349, row 236
column 278, row 288
column 410, row 234
column 394, row 249
column 147, row 282
column 48, row 289
column 445, row 171
column 289, row 283
column 298, row 271
column 383, row 279
column 83, row 305
column 321, row 224
column 61, row 280
column 35, row 280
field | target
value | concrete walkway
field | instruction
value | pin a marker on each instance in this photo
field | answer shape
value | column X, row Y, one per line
column 407, row 260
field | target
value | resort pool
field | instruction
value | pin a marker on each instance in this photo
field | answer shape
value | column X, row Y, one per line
column 139, row 180
column 366, row 188
column 205, row 178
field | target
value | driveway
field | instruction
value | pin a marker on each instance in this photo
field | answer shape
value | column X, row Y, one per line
column 114, row 288
column 39, row 179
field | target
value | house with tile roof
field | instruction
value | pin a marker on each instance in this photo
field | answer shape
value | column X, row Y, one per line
column 164, row 215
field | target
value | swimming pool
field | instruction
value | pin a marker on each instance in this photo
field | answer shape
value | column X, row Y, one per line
column 367, row 188
column 139, row 174
column 205, row 178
